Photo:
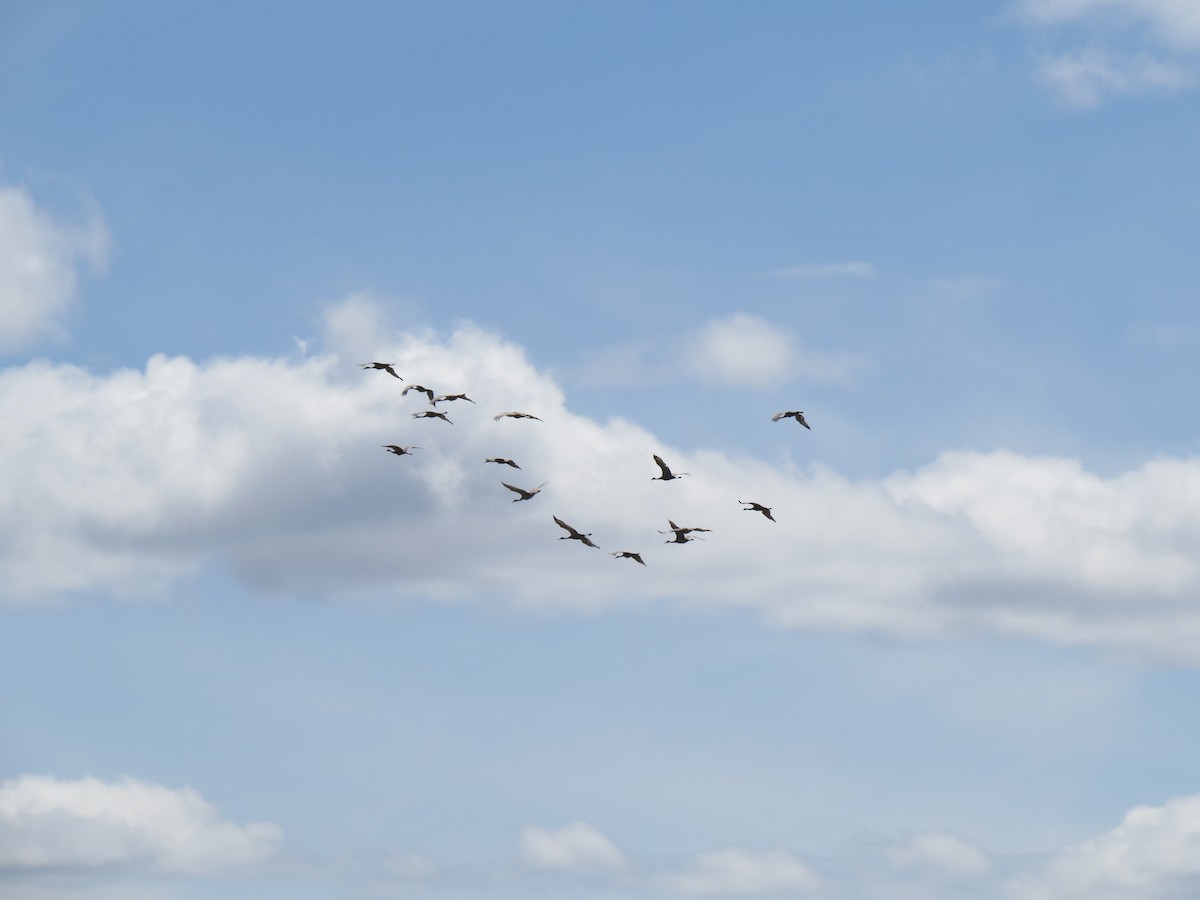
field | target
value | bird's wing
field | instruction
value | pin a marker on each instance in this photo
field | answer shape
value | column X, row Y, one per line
column 778, row 416
column 662, row 465
column 515, row 490
column 562, row 524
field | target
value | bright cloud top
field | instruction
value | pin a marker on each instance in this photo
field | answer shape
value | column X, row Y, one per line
column 276, row 468
column 38, row 267
column 52, row 824
column 1154, row 852
column 577, row 847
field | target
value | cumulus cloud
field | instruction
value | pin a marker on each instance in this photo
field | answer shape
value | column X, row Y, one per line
column 1154, row 852
column 86, row 824
column 39, row 261
column 577, row 847
column 735, row 871
column 941, row 852
column 275, row 468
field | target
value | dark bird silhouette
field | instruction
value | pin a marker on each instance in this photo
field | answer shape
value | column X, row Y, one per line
column 502, row 461
column 573, row 535
column 626, row 554
column 398, row 450
column 751, row 506
column 667, row 474
column 525, row 495
column 429, row 414
column 447, row 397
column 681, row 533
column 513, row 415
column 420, row 389
column 798, row 416
column 387, row 367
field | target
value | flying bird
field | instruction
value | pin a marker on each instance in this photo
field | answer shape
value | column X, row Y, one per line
column 502, row 461
column 667, row 474
column 446, row 397
column 420, row 389
column 525, row 495
column 798, row 416
column 398, row 450
column 625, row 554
column 573, row 535
column 387, row 367
column 681, row 536
column 750, row 506
column 429, row 414
column 513, row 415
column 677, row 531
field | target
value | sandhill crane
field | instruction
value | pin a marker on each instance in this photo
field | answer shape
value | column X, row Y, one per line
column 751, row 506
column 574, row 535
column 502, row 461
column 525, row 495
column 681, row 532
column 387, row 367
column 447, row 397
column 420, row 389
column 429, row 414
column 398, row 450
column 667, row 474
column 798, row 416
column 513, row 415
column 626, row 554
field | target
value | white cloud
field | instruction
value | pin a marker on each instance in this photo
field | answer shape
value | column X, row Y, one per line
column 1132, row 47
column 739, row 350
column 84, row 824
column 1172, row 21
column 274, row 468
column 38, row 267
column 1085, row 79
column 826, row 270
column 1154, row 852
column 577, row 847
column 734, row 870
column 941, row 852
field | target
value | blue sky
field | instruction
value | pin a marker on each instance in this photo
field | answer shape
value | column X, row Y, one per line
column 249, row 653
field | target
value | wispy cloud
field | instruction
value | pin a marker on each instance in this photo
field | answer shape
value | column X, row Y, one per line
column 826, row 270
column 577, row 847
column 1086, row 78
column 39, row 262
column 1128, row 48
column 941, row 852
column 739, row 350
column 736, row 871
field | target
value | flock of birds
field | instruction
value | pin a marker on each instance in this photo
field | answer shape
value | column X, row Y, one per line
column 679, row 534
